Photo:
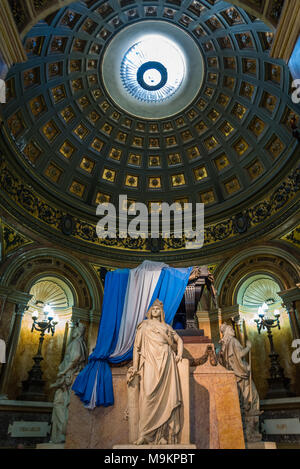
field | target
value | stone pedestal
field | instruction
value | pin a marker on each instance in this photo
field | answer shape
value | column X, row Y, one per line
column 214, row 413
column 280, row 422
column 149, row 447
column 261, row 445
column 103, row 427
column 36, row 417
column 50, row 446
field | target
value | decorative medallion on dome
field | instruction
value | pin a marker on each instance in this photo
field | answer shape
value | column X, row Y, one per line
column 152, row 70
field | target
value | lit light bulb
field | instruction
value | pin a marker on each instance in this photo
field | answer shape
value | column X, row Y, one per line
column 276, row 313
column 48, row 312
column 35, row 315
column 55, row 320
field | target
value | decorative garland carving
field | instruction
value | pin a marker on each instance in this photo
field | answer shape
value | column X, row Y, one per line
column 208, row 355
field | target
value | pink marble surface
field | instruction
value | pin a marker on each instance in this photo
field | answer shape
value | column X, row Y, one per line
column 215, row 419
column 102, row 427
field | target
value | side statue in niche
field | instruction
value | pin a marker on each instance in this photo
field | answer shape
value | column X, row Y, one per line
column 155, row 377
column 231, row 356
column 74, row 360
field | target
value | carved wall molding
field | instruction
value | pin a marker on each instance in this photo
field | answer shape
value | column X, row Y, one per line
column 22, row 271
column 13, row 187
column 269, row 260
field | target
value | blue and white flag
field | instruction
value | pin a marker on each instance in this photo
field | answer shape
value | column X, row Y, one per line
column 128, row 294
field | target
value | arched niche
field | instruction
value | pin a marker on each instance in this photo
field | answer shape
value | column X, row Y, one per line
column 268, row 260
column 245, row 282
column 54, row 291
column 25, row 270
column 71, row 289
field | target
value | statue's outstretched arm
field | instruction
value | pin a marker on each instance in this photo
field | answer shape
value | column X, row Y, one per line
column 246, row 350
column 179, row 342
column 136, row 350
column 133, row 370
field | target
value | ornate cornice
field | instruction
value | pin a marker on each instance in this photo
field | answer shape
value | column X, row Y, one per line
column 267, row 212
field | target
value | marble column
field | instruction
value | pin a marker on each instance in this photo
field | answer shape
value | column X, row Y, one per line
column 228, row 312
column 11, row 47
column 209, row 321
column 290, row 299
column 287, row 32
column 14, row 304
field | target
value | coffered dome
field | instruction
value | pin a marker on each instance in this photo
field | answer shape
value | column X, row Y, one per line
column 85, row 128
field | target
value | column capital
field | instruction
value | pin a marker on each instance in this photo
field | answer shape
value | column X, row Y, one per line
column 14, row 296
column 80, row 314
column 95, row 316
column 227, row 312
column 208, row 315
column 291, row 295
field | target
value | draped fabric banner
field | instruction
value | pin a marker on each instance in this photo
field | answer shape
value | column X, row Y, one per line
column 170, row 290
column 142, row 282
column 127, row 298
column 98, row 370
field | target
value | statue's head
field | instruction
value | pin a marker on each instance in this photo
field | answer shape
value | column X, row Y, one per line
column 227, row 330
column 156, row 311
column 79, row 330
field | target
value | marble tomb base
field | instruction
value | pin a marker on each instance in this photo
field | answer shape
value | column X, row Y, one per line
column 214, row 417
column 149, row 447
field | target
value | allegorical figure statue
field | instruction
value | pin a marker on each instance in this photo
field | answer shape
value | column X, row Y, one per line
column 157, row 350
column 74, row 360
column 231, row 356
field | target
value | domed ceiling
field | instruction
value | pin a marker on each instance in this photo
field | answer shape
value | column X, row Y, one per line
column 79, row 137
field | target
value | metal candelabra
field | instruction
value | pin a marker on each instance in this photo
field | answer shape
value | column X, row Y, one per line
column 278, row 383
column 33, row 387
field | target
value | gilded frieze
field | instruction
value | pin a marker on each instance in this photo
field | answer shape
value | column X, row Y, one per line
column 34, row 205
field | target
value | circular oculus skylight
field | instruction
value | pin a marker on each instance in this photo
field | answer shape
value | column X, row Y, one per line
column 152, row 70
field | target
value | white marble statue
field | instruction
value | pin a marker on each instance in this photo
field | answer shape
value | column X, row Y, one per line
column 231, row 356
column 157, row 351
column 74, row 360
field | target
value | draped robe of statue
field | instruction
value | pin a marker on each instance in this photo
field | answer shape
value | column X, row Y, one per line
column 231, row 356
column 74, row 360
column 155, row 362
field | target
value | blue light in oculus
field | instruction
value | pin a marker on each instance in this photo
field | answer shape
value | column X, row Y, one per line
column 153, row 69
